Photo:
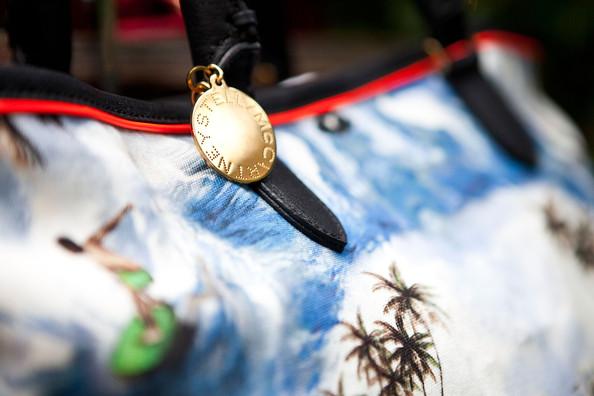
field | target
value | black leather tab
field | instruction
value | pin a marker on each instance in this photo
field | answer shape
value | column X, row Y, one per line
column 39, row 33
column 223, row 32
column 490, row 108
column 446, row 19
column 300, row 207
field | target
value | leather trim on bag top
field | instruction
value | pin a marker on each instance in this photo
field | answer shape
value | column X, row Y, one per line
column 27, row 89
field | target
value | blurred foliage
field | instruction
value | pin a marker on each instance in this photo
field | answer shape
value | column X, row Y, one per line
column 565, row 28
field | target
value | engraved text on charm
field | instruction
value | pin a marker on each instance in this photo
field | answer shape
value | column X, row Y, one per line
column 233, row 134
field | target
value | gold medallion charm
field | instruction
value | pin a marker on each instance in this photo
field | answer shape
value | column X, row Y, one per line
column 231, row 131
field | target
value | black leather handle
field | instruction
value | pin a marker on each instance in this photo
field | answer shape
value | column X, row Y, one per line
column 492, row 110
column 40, row 33
column 223, row 32
column 446, row 19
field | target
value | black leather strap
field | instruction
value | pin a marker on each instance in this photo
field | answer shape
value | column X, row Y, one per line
column 300, row 207
column 490, row 108
column 446, row 19
column 223, row 32
column 40, row 32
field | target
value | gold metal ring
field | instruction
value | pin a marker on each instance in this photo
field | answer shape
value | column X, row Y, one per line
column 437, row 54
column 190, row 77
column 207, row 71
column 199, row 89
column 212, row 73
column 214, row 69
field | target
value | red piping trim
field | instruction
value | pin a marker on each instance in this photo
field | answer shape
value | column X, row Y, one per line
column 523, row 45
column 401, row 77
column 398, row 78
column 42, row 106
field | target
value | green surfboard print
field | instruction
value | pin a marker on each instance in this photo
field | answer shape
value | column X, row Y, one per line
column 137, row 280
column 133, row 355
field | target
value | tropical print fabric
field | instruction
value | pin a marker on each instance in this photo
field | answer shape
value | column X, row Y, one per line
column 129, row 267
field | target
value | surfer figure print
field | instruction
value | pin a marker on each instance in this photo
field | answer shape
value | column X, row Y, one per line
column 145, row 341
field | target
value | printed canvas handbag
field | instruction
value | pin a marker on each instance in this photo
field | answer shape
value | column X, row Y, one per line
column 419, row 224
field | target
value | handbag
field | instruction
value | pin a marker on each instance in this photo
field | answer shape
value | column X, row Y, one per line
column 423, row 225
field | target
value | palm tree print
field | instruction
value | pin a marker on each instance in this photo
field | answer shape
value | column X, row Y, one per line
column 579, row 238
column 368, row 350
column 399, row 355
column 16, row 147
column 413, row 300
column 411, row 351
column 584, row 244
column 339, row 392
column 395, row 384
